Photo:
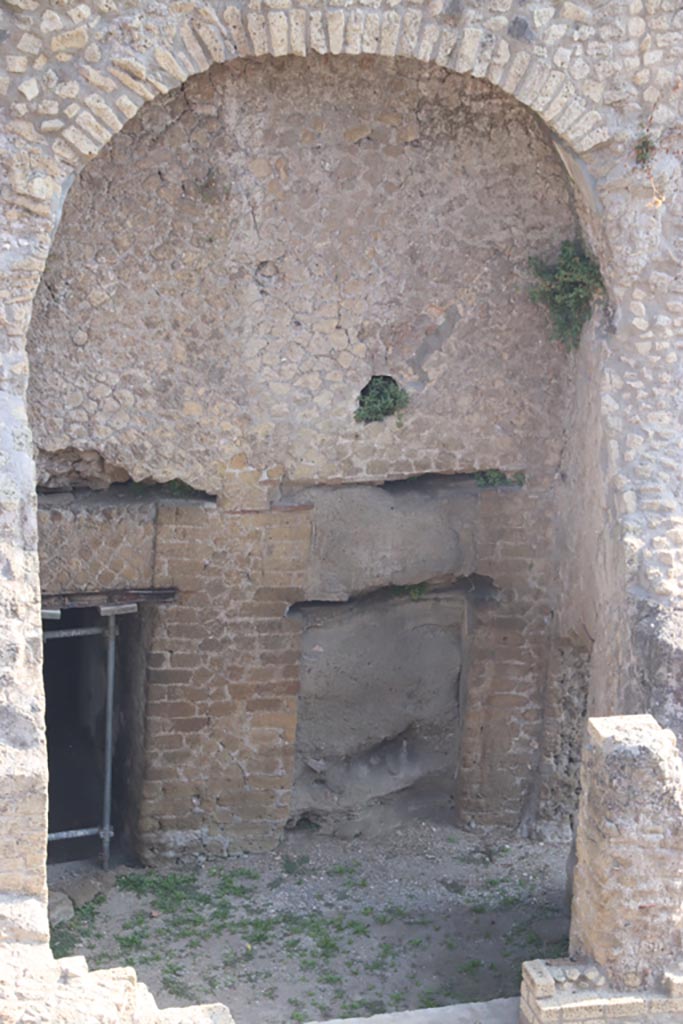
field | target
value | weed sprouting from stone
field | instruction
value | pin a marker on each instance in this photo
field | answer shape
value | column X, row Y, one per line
column 567, row 289
column 645, row 149
column 497, row 478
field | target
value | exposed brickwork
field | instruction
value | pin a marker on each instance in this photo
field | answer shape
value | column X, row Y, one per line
column 222, row 661
column 222, row 696
column 509, row 654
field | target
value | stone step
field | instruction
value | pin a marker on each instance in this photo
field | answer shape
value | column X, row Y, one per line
column 495, row 1011
column 208, row 1013
column 34, row 986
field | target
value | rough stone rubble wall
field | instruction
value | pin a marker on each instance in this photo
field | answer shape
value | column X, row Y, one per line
column 231, row 270
column 629, row 839
column 73, row 75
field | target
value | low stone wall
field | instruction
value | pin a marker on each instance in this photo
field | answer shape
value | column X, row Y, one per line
column 564, row 990
column 627, row 914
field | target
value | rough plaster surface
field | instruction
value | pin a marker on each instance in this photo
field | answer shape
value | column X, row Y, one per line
column 379, row 711
column 402, row 534
column 73, row 75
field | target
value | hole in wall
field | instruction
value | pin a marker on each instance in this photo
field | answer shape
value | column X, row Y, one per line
column 381, row 397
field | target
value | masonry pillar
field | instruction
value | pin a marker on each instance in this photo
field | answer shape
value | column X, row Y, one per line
column 626, row 942
column 627, row 912
column 23, row 758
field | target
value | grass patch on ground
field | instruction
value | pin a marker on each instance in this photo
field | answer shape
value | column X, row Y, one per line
column 66, row 938
column 303, row 939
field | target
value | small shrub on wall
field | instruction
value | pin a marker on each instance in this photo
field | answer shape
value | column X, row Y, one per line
column 381, row 397
column 567, row 290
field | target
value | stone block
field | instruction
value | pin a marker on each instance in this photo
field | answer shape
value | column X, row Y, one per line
column 539, row 979
column 673, row 982
column 60, row 908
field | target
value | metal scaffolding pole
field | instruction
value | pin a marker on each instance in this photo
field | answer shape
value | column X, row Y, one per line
column 67, row 634
column 108, row 740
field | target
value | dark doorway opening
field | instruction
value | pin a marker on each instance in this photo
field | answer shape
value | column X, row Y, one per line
column 74, row 671
column 80, row 645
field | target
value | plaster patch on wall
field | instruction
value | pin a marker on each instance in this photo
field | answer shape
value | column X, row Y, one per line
column 379, row 711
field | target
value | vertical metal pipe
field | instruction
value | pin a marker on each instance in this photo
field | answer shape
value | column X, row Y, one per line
column 108, row 740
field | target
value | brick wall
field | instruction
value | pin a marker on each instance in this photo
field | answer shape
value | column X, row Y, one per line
column 222, row 662
column 223, row 659
column 223, row 678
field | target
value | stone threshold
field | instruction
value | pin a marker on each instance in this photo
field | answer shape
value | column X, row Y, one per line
column 494, row 1011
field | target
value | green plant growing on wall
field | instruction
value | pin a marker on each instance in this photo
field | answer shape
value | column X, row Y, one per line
column 415, row 591
column 497, row 478
column 645, row 149
column 381, row 397
column 567, row 290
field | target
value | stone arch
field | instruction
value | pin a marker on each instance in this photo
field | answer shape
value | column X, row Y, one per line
column 147, row 56
column 120, row 61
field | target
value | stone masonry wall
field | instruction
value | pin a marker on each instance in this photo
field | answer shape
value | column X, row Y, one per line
column 595, row 73
column 95, row 544
column 231, row 270
column 627, row 925
column 627, row 910
column 224, row 283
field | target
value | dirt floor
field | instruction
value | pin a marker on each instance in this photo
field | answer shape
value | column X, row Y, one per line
column 425, row 916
